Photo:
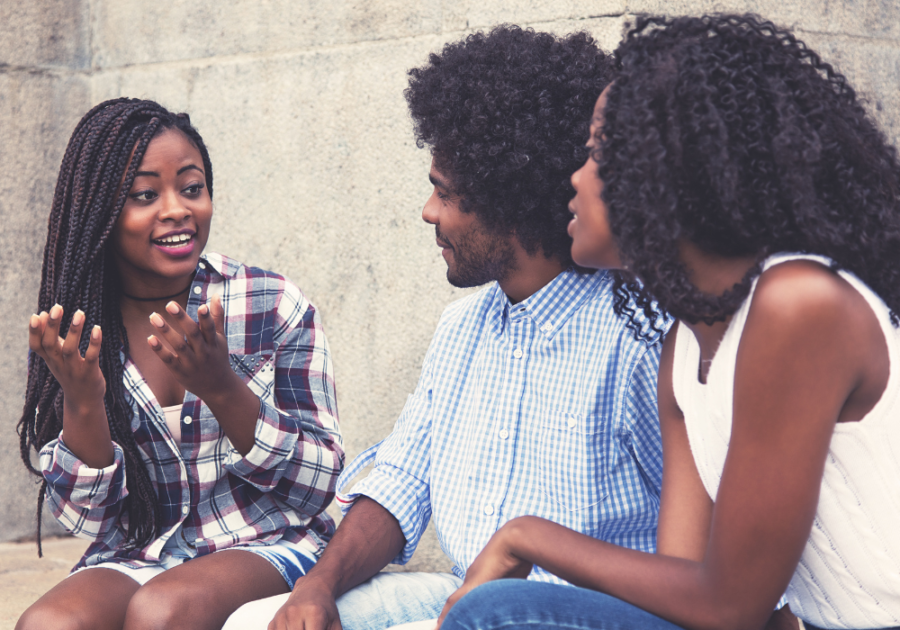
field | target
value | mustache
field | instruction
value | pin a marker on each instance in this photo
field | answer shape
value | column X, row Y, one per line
column 440, row 237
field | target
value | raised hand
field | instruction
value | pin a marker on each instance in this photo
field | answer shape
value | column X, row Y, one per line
column 197, row 355
column 84, row 415
column 80, row 377
column 195, row 352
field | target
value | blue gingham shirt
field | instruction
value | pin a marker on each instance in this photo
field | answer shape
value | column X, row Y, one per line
column 546, row 407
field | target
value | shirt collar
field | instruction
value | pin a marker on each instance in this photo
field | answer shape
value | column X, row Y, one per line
column 552, row 305
column 222, row 265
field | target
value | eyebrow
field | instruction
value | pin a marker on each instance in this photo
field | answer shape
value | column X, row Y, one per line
column 180, row 171
column 437, row 181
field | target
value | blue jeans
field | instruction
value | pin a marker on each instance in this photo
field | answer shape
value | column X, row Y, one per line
column 388, row 599
column 514, row 604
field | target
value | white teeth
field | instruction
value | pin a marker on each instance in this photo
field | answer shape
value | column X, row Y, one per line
column 178, row 239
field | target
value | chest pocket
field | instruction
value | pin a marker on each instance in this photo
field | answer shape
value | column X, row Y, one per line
column 571, row 453
column 257, row 371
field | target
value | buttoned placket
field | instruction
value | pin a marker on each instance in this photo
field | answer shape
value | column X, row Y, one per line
column 518, row 335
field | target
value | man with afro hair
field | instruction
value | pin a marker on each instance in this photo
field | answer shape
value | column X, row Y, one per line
column 534, row 397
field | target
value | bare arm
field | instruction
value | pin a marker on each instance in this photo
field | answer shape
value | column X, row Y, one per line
column 367, row 539
column 685, row 511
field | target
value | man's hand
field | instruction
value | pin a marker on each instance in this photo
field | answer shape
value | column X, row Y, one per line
column 496, row 561
column 311, row 606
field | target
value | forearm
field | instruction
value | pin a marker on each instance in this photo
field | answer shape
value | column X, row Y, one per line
column 367, row 539
column 682, row 591
column 86, row 432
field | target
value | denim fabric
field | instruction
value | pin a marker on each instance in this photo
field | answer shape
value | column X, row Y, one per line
column 388, row 599
column 529, row 605
column 291, row 561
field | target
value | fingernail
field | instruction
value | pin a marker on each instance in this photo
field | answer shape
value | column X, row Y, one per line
column 35, row 321
column 156, row 320
column 95, row 333
column 203, row 310
column 173, row 308
column 55, row 311
column 78, row 318
column 153, row 341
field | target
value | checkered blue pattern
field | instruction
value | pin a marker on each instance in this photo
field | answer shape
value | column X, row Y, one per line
column 546, row 407
column 210, row 496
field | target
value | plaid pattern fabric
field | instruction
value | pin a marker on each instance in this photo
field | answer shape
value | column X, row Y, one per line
column 546, row 407
column 210, row 496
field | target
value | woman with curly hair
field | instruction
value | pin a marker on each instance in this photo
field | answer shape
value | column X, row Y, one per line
column 181, row 404
column 738, row 184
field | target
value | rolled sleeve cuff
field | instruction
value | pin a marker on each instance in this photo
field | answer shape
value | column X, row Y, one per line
column 79, row 484
column 401, row 494
column 274, row 441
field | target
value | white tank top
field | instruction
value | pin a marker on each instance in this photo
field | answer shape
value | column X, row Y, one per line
column 849, row 573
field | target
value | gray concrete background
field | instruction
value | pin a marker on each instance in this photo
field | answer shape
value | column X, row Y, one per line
column 317, row 174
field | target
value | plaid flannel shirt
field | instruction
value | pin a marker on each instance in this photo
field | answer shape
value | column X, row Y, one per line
column 210, row 496
column 546, row 407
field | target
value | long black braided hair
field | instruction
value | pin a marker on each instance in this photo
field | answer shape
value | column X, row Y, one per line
column 730, row 133
column 96, row 174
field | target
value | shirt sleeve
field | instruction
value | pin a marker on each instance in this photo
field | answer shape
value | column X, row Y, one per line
column 399, row 482
column 297, row 453
column 86, row 501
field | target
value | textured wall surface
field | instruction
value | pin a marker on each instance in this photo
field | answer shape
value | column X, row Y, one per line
column 317, row 173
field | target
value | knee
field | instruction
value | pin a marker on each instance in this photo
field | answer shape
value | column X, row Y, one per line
column 41, row 616
column 155, row 607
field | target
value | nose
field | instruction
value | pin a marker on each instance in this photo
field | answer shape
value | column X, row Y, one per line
column 430, row 210
column 576, row 177
column 173, row 207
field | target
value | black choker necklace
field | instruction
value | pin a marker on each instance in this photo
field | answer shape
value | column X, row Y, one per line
column 156, row 299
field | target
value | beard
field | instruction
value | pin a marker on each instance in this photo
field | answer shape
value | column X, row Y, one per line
column 479, row 257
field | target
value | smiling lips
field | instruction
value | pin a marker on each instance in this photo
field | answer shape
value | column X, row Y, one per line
column 177, row 244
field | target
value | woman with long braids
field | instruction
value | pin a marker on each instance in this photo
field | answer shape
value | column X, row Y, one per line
column 182, row 405
column 736, row 181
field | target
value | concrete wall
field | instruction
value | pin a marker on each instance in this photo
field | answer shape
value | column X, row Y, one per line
column 317, row 174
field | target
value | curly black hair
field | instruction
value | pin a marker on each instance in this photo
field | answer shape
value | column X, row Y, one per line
column 506, row 115
column 728, row 132
column 96, row 174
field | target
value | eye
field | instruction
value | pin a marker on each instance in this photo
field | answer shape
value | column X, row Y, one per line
column 144, row 195
column 193, row 190
column 442, row 195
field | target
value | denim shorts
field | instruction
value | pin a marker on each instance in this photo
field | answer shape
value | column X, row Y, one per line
column 289, row 560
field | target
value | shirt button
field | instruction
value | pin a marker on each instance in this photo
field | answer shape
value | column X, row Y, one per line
column 571, row 422
column 547, row 327
column 202, row 265
column 197, row 290
column 185, row 509
column 188, row 419
column 518, row 353
column 488, row 509
column 504, row 434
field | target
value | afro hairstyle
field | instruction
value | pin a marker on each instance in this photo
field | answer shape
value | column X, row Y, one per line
column 506, row 115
